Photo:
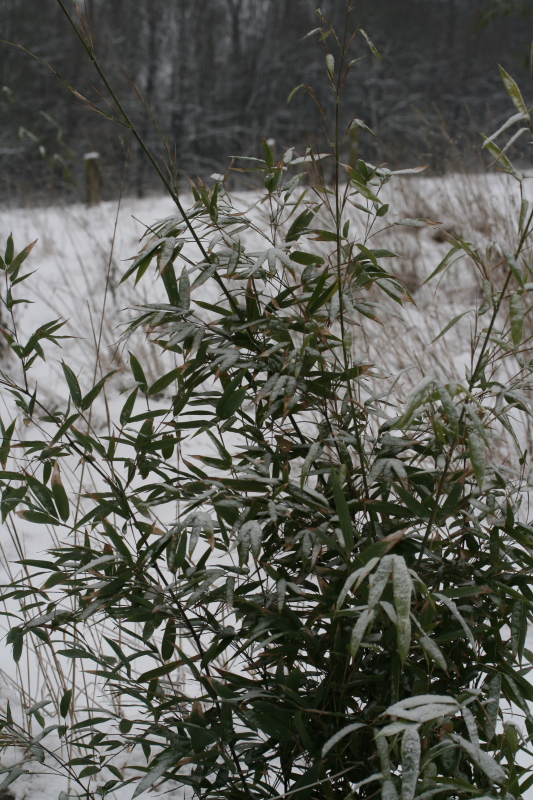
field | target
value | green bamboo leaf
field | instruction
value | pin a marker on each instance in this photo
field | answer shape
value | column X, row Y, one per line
column 73, row 385
column 230, row 403
column 59, row 493
column 138, row 373
column 127, row 408
column 64, row 706
column 450, row 325
column 345, row 519
column 10, row 250
column 37, row 517
column 518, row 628
column 18, row 641
column 162, row 383
column 293, row 92
column 21, row 257
column 158, row 672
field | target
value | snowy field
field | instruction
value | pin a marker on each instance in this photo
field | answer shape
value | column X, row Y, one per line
column 80, row 257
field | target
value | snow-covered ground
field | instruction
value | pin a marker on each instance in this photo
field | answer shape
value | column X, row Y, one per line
column 80, row 257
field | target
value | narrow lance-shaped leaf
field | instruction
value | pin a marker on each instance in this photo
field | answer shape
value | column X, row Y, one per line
column 73, row 385
column 343, row 511
column 492, row 705
column 365, row 620
column 518, row 628
column 402, row 585
column 379, row 580
column 448, row 602
column 372, row 47
column 415, row 399
column 313, row 453
column 433, row 651
column 330, row 744
column 60, row 495
column 411, row 750
column 158, row 767
column 514, row 92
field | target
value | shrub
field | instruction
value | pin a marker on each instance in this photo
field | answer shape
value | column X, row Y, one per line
column 334, row 601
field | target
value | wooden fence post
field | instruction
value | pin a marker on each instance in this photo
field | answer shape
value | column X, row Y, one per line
column 93, row 178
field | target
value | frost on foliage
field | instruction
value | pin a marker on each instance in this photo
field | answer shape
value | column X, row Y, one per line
column 252, row 530
column 411, row 750
column 448, row 602
column 433, row 651
column 471, row 725
column 490, row 767
column 383, row 751
column 330, row 744
column 388, row 791
column 415, row 399
column 367, row 618
column 314, row 452
column 492, row 705
column 402, row 585
column 200, row 522
column 379, row 580
column 424, row 708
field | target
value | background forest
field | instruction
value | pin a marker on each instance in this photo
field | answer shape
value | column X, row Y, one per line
column 217, row 74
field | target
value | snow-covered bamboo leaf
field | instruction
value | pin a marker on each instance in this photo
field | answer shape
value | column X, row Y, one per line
column 514, row 92
column 471, row 725
column 415, row 399
column 365, row 620
column 490, row 767
column 411, row 750
column 450, row 605
column 356, row 578
column 492, row 705
column 379, row 580
column 433, row 651
column 403, row 587
column 330, row 744
column 159, row 766
column 313, row 453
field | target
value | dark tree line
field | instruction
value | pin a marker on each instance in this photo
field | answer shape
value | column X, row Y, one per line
column 217, row 73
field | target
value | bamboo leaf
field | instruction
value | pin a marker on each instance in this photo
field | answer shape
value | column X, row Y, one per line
column 336, row 738
column 411, row 751
column 372, row 47
column 514, row 92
